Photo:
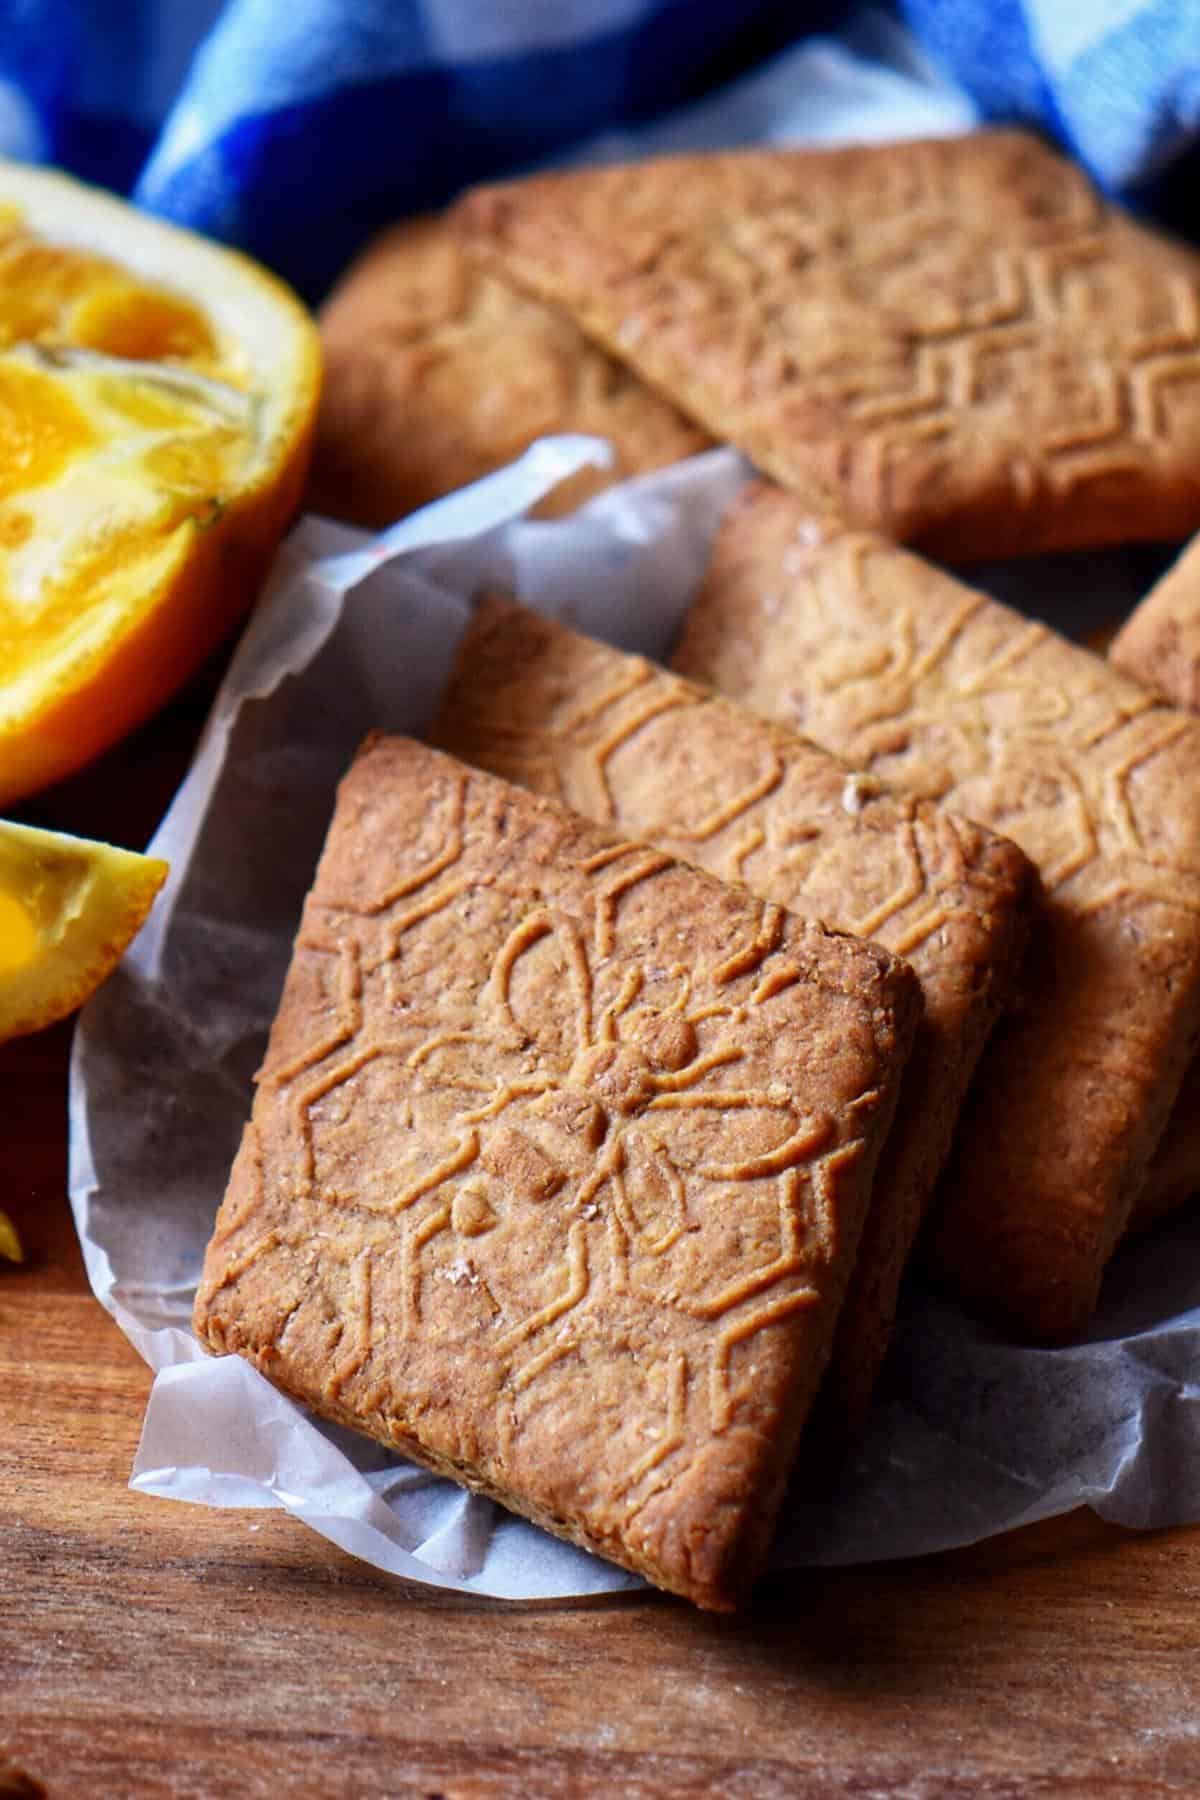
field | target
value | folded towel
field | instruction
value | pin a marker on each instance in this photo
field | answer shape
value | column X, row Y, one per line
column 297, row 127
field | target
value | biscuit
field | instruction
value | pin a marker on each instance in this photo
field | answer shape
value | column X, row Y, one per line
column 948, row 695
column 1159, row 643
column 647, row 754
column 1174, row 1176
column 558, row 1165
column 435, row 375
column 955, row 342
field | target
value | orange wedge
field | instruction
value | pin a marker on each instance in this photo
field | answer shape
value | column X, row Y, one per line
column 157, row 399
column 10, row 1243
column 69, row 909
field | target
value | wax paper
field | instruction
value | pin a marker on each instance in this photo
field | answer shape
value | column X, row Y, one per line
column 969, row 1436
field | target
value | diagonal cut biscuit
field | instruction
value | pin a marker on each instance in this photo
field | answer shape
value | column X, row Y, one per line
column 956, row 342
column 436, row 374
column 946, row 694
column 1174, row 1174
column 1159, row 645
column 558, row 1165
column 647, row 754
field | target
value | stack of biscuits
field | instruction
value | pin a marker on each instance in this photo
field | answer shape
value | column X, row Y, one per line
column 643, row 1023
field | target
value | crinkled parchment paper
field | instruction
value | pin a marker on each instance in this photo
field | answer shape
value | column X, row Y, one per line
column 970, row 1435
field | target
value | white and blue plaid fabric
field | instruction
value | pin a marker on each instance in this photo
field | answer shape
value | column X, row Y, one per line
column 296, row 127
column 1117, row 82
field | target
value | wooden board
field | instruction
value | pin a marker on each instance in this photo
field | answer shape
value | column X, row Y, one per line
column 149, row 1649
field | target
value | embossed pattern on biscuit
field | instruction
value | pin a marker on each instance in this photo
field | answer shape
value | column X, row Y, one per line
column 557, row 1167
column 946, row 694
column 636, row 748
column 436, row 374
column 957, row 341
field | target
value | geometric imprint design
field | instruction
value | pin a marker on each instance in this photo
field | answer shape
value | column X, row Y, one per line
column 1067, row 759
column 957, row 341
column 942, row 693
column 635, row 748
column 632, row 746
column 559, row 1156
column 476, row 371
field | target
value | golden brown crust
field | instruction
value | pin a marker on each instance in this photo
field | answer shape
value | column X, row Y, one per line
column 955, row 342
column 646, row 753
column 558, row 1165
column 436, row 374
column 944, row 693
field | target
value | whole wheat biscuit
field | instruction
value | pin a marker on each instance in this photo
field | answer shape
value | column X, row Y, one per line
column 956, row 342
column 946, row 694
column 1174, row 1175
column 557, row 1166
column 638, row 749
column 436, row 374
column 1159, row 643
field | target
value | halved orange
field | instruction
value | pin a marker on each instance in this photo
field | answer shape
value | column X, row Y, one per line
column 157, row 398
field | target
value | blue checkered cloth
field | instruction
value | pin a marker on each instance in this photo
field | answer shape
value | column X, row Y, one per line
column 296, row 127
column 1117, row 82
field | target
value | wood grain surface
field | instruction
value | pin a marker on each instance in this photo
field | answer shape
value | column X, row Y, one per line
column 150, row 1649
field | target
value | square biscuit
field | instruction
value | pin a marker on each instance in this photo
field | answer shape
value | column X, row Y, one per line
column 437, row 374
column 946, row 694
column 1159, row 643
column 1174, row 1175
column 955, row 342
column 650, row 755
column 557, row 1166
